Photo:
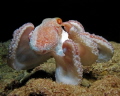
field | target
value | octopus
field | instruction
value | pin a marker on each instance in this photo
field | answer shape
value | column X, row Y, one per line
column 67, row 42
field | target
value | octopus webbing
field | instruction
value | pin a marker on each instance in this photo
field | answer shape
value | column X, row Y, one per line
column 67, row 42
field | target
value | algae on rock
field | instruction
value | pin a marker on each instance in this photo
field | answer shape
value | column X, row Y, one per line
column 7, row 74
column 93, row 78
column 112, row 67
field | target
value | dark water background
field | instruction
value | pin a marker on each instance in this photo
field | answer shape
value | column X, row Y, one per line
column 99, row 17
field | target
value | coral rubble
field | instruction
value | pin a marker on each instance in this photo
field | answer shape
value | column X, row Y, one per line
column 100, row 79
column 108, row 86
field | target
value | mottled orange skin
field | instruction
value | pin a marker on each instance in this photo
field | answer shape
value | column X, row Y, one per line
column 47, row 34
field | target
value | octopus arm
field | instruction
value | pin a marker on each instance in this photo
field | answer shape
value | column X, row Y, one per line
column 68, row 67
column 98, row 45
column 21, row 56
column 87, row 47
column 104, row 47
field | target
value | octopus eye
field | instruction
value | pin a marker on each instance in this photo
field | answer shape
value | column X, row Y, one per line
column 59, row 21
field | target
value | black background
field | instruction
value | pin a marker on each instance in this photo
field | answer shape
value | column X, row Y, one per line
column 98, row 17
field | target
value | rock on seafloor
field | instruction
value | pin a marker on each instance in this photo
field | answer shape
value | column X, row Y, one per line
column 108, row 86
column 100, row 79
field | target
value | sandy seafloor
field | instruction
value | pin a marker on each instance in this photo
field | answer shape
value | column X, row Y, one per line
column 100, row 79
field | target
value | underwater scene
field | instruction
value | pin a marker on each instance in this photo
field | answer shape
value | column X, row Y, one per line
column 59, row 58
